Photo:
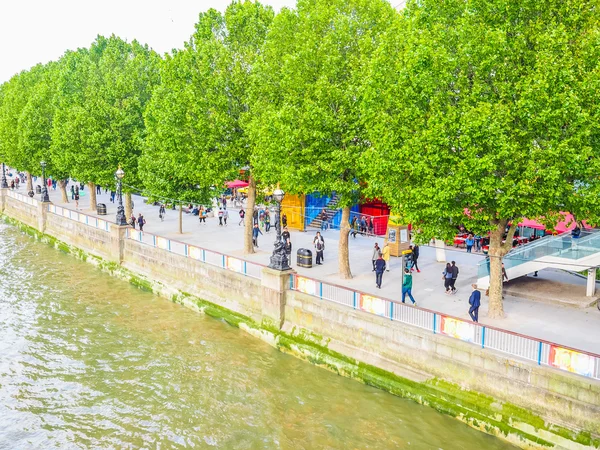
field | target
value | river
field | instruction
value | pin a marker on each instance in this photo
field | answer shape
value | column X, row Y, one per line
column 89, row 361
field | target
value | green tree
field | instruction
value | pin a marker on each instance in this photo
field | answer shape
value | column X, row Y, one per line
column 195, row 122
column 104, row 94
column 488, row 106
column 35, row 128
column 306, row 119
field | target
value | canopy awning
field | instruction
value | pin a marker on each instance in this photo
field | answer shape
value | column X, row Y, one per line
column 236, row 184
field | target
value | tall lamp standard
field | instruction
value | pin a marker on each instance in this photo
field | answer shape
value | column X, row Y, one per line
column 121, row 219
column 279, row 259
column 4, row 184
column 45, row 198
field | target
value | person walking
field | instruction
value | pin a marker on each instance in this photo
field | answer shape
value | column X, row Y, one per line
column 447, row 277
column 255, row 216
column 415, row 256
column 225, row 216
column 475, row 302
column 255, row 232
column 469, row 242
column 284, row 220
column 72, row 192
column 132, row 221
column 407, row 287
column 323, row 220
column 454, row 277
column 112, row 195
column 220, row 215
column 242, row 215
column 319, row 244
column 98, row 189
column 379, row 269
column 162, row 212
column 141, row 222
column 354, row 227
column 376, row 253
column 505, row 277
column 285, row 235
column 267, row 220
column 76, row 199
column 385, row 253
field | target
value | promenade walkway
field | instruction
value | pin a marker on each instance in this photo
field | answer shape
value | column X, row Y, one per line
column 578, row 328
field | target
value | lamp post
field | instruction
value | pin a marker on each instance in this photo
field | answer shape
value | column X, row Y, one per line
column 121, row 219
column 45, row 198
column 279, row 259
column 4, row 184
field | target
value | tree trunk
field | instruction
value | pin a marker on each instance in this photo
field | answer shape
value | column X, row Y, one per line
column 248, row 220
column 440, row 250
column 128, row 205
column 92, row 188
column 62, row 184
column 180, row 218
column 496, row 252
column 29, row 182
column 343, row 252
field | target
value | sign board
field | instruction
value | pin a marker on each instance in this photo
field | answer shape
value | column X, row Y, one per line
column 458, row 329
column 235, row 264
column 571, row 361
column 306, row 285
column 372, row 304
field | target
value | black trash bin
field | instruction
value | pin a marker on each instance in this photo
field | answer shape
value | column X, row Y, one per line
column 304, row 257
column 38, row 189
column 101, row 208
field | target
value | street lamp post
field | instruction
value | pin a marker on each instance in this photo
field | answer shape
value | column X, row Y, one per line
column 45, row 198
column 279, row 259
column 121, row 219
column 4, row 184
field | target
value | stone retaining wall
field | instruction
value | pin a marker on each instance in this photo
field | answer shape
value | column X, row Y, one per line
column 532, row 406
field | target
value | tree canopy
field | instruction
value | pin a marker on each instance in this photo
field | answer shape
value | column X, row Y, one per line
column 307, row 92
column 481, row 113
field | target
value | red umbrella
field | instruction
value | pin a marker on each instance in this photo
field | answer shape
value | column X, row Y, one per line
column 236, row 184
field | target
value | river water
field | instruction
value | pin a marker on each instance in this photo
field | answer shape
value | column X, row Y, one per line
column 89, row 361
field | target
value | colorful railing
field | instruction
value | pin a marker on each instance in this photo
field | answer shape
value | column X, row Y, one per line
column 529, row 348
column 536, row 350
column 22, row 198
column 91, row 221
column 211, row 257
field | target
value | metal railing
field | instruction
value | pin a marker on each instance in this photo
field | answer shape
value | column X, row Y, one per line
column 91, row 221
column 529, row 348
column 536, row 350
column 23, row 198
column 241, row 266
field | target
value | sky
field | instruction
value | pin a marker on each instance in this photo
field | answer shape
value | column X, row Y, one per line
column 38, row 31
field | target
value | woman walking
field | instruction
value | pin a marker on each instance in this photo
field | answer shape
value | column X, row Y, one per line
column 447, row 277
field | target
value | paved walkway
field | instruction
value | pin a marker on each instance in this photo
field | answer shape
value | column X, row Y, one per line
column 578, row 328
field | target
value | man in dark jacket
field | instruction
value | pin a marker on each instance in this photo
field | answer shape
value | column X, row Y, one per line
column 255, row 232
column 415, row 257
column 454, row 277
column 475, row 302
column 379, row 269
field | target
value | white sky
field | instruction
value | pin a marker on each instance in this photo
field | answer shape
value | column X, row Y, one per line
column 38, row 31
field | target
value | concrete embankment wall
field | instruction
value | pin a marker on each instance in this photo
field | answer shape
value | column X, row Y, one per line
column 530, row 405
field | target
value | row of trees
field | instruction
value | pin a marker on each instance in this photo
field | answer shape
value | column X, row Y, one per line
column 476, row 113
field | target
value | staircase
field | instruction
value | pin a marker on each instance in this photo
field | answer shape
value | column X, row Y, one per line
column 558, row 252
column 330, row 209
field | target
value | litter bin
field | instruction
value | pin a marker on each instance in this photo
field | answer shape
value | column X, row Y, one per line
column 304, row 257
column 101, row 208
column 38, row 189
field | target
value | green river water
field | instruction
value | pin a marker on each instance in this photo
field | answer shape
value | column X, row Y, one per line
column 89, row 361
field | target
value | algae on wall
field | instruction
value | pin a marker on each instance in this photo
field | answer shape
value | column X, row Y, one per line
column 482, row 412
